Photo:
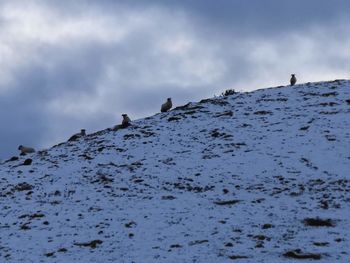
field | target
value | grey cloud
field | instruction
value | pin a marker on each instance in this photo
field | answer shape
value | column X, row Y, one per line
column 22, row 121
column 24, row 104
column 244, row 17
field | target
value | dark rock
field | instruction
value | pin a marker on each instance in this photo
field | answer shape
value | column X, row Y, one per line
column 319, row 222
column 27, row 162
column 329, row 94
column 331, row 104
column 229, row 202
column 308, row 163
column 57, row 145
column 92, row 244
column 104, row 179
column 215, row 133
column 74, row 137
column 25, row 226
column 131, row 136
column 174, row 118
column 86, row 157
column 12, row 159
column 175, row 246
column 259, row 245
column 130, row 224
column 188, row 106
column 263, row 112
column 311, row 94
column 260, row 237
column 32, row 216
column 100, row 149
column 321, row 244
column 23, row 187
column 331, row 138
column 324, row 204
column 168, row 197
column 146, row 134
column 233, row 257
column 329, row 112
column 219, row 102
column 298, row 254
column 226, row 113
column 138, row 181
column 197, row 242
column 191, row 112
column 266, row 226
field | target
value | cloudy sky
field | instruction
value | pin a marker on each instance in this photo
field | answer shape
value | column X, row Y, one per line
column 72, row 64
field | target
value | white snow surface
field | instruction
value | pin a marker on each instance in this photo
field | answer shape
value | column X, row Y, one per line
column 228, row 179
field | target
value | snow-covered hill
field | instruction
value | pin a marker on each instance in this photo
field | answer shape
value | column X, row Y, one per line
column 251, row 177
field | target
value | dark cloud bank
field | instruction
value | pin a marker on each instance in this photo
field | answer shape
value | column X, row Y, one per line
column 68, row 65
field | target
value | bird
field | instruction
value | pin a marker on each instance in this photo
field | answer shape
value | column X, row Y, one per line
column 293, row 80
column 126, row 121
column 77, row 135
column 24, row 150
column 166, row 106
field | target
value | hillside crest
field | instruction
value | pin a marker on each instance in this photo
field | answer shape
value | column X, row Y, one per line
column 259, row 176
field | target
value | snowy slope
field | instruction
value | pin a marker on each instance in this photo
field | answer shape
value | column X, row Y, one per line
column 250, row 177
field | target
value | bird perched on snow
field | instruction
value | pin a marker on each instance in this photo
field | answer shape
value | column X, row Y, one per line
column 76, row 136
column 293, row 80
column 126, row 121
column 166, row 106
column 24, row 150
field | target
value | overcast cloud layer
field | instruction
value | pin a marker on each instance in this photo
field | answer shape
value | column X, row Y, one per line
column 67, row 65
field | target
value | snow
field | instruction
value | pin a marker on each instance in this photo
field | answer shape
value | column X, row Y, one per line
column 226, row 179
